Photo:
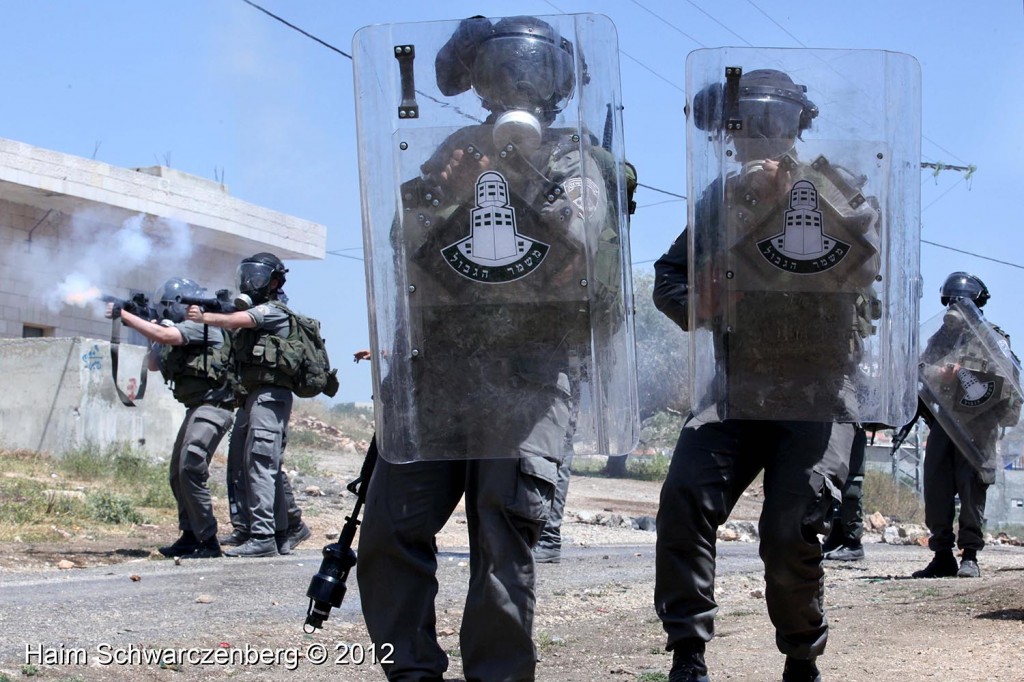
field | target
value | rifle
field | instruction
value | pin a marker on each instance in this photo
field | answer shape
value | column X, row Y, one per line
column 901, row 435
column 327, row 588
column 220, row 303
column 139, row 305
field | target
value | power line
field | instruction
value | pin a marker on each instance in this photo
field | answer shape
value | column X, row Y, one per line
column 971, row 253
column 969, row 169
column 296, row 28
column 784, row 29
column 671, row 194
column 699, row 9
column 345, row 255
column 667, row 23
column 626, row 54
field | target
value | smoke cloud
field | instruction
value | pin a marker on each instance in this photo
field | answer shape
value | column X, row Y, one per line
column 100, row 256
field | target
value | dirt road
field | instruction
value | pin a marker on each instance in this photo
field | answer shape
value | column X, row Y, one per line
column 595, row 619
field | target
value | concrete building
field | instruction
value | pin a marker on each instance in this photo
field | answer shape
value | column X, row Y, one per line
column 71, row 228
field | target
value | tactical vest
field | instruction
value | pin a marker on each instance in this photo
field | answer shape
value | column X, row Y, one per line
column 192, row 371
column 258, row 361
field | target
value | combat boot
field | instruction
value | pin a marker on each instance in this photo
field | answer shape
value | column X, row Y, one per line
column 185, row 544
column 688, row 662
column 297, row 535
column 852, row 551
column 943, row 565
column 255, row 546
column 833, row 541
column 969, row 569
column 800, row 670
column 208, row 549
column 543, row 554
column 237, row 537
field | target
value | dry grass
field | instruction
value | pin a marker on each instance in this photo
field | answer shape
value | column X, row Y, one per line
column 894, row 501
column 43, row 498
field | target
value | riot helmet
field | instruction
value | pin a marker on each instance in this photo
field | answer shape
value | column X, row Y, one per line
column 765, row 116
column 518, row 64
column 254, row 277
column 167, row 299
column 960, row 285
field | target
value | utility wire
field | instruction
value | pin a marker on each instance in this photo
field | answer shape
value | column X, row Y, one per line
column 671, row 194
column 667, row 23
column 968, row 168
column 337, row 253
column 971, row 253
column 296, row 28
column 699, row 9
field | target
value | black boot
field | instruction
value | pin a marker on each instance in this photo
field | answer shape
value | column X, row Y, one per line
column 800, row 670
column 942, row 565
column 237, row 537
column 208, row 549
column 186, row 544
column 688, row 662
column 834, row 539
column 297, row 535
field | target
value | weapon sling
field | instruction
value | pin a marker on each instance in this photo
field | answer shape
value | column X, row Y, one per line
column 115, row 343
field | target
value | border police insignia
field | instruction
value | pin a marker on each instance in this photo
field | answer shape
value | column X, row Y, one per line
column 803, row 247
column 976, row 391
column 494, row 252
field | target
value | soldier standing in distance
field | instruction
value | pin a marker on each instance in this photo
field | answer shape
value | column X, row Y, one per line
column 948, row 472
column 189, row 359
column 268, row 402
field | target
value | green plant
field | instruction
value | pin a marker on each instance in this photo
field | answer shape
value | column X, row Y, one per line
column 546, row 641
column 85, row 463
column 305, row 461
column 652, row 677
column 29, row 670
column 648, row 468
column 109, row 507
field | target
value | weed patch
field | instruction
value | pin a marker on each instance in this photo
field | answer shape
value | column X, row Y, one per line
column 43, row 497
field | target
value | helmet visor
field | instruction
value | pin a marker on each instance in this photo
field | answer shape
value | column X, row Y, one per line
column 253, row 277
column 523, row 72
column 766, row 118
column 957, row 288
column 166, row 299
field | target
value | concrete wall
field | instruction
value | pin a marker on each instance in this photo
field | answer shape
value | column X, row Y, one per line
column 1005, row 503
column 58, row 394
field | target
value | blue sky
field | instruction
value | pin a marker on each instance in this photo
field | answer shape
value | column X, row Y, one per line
column 215, row 86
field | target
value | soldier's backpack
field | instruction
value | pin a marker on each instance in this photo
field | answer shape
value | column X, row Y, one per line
column 304, row 354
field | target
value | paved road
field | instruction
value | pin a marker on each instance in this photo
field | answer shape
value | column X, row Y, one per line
column 262, row 601
column 86, row 607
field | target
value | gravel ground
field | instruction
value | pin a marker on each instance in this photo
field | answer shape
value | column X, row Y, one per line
column 595, row 619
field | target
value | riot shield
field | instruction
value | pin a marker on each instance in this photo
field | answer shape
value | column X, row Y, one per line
column 970, row 382
column 498, row 277
column 803, row 240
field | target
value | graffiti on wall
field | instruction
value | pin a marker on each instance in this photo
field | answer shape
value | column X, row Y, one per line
column 92, row 359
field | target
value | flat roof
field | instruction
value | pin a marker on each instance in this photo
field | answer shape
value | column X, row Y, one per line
column 52, row 180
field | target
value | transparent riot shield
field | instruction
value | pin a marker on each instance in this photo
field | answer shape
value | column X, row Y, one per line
column 498, row 278
column 970, row 382
column 803, row 172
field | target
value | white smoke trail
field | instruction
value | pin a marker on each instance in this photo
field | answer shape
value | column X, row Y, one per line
column 100, row 257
